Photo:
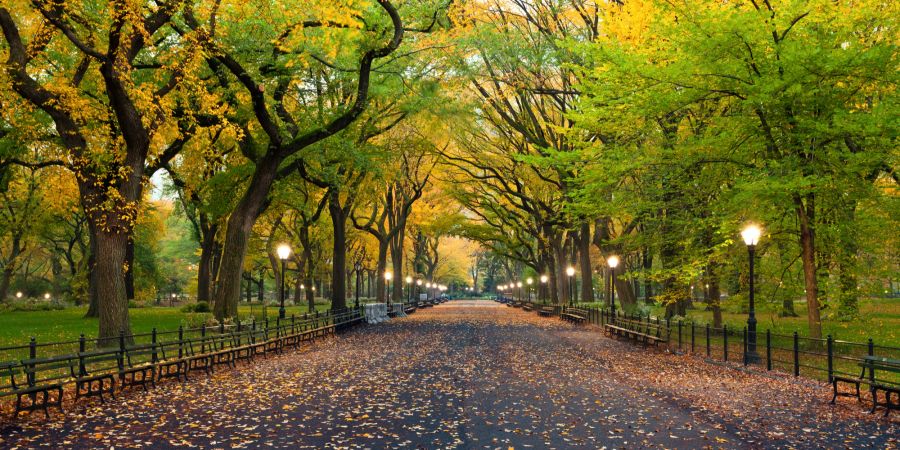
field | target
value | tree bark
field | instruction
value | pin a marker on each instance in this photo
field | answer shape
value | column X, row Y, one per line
column 237, row 235
column 112, row 302
column 806, row 215
column 129, row 269
column 584, row 260
column 339, row 250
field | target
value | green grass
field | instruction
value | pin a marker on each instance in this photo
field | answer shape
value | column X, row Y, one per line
column 879, row 319
column 17, row 327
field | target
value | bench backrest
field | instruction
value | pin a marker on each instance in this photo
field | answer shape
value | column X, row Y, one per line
column 48, row 370
column 98, row 361
column 880, row 364
column 137, row 354
column 9, row 370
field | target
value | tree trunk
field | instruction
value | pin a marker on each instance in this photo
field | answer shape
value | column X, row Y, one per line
column 112, row 302
column 93, row 299
column 5, row 282
column 806, row 216
column 208, row 248
column 714, row 294
column 129, row 270
column 584, row 260
column 237, row 235
column 380, row 267
column 397, row 266
column 339, row 248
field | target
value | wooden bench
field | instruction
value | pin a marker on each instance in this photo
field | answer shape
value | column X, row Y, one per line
column 137, row 367
column 871, row 364
column 545, row 311
column 45, row 376
column 637, row 330
column 43, row 393
column 575, row 315
column 93, row 374
column 527, row 307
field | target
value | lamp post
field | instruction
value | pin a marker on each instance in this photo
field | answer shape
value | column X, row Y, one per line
column 284, row 251
column 388, row 276
column 751, row 235
column 544, row 279
column 519, row 288
column 612, row 261
column 418, row 287
column 358, row 268
column 570, row 271
column 409, row 281
column 528, row 282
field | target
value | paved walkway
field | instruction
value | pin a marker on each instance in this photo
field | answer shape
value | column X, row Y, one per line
column 468, row 374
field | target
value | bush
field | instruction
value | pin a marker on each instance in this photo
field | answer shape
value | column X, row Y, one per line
column 199, row 307
column 32, row 304
column 197, row 320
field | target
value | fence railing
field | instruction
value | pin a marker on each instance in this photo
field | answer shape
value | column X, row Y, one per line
column 161, row 344
column 818, row 358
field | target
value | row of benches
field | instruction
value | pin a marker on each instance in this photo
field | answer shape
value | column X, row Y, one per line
column 876, row 372
column 38, row 383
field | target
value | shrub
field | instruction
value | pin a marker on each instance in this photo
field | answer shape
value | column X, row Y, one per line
column 197, row 320
column 199, row 307
column 33, row 304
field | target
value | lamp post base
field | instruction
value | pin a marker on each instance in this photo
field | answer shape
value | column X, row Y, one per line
column 752, row 357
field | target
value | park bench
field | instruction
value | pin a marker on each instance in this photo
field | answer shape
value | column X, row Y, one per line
column 45, row 376
column 172, row 362
column 545, row 311
column 575, row 315
column 134, row 367
column 871, row 364
column 43, row 393
column 527, row 307
column 93, row 373
column 221, row 349
column 409, row 308
column 636, row 330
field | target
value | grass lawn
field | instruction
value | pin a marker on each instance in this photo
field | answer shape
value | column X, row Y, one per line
column 879, row 319
column 17, row 327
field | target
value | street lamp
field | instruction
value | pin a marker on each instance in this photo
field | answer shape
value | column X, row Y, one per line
column 751, row 235
column 388, row 276
column 284, row 251
column 612, row 261
column 529, row 281
column 544, row 280
column 409, row 281
column 358, row 268
column 570, row 271
column 519, row 288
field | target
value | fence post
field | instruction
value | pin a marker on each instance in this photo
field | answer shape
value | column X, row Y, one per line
column 796, row 355
column 203, row 338
column 222, row 327
column 153, row 356
column 745, row 346
column 725, row 337
column 121, row 348
column 679, row 334
column 871, row 347
column 32, row 354
column 693, row 337
column 768, row 349
column 180, row 341
column 82, row 346
column 829, row 344
column 293, row 324
column 707, row 341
